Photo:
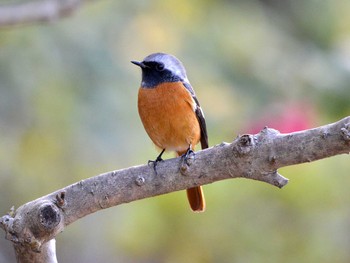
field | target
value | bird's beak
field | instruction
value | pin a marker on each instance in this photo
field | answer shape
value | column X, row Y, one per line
column 138, row 63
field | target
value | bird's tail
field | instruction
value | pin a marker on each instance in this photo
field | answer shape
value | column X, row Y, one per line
column 196, row 199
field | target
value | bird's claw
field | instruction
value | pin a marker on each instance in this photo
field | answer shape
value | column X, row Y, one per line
column 188, row 156
column 156, row 161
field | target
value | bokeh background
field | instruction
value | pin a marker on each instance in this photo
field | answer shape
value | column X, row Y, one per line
column 68, row 111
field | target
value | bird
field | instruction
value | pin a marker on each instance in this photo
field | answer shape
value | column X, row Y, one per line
column 170, row 113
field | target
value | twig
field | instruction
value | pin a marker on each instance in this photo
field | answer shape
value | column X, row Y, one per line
column 38, row 11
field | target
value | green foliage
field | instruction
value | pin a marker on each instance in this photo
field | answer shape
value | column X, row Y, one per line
column 68, row 111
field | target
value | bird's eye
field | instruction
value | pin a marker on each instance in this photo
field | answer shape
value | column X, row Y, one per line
column 160, row 67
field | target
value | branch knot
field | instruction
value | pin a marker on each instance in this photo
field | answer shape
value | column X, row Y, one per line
column 243, row 145
column 49, row 216
column 346, row 132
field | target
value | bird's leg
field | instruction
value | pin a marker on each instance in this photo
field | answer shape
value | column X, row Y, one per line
column 156, row 161
column 186, row 160
column 188, row 155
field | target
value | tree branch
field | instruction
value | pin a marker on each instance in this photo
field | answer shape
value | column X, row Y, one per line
column 38, row 11
column 33, row 226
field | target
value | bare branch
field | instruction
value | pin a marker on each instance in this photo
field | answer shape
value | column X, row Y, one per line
column 256, row 157
column 38, row 11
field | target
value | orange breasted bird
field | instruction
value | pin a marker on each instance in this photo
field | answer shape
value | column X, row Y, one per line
column 170, row 112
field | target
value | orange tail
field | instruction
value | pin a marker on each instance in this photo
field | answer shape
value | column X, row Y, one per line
column 196, row 199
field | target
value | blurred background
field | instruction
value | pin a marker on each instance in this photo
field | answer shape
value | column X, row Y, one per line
column 68, row 95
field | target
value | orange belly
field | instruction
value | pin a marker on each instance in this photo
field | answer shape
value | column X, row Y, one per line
column 167, row 113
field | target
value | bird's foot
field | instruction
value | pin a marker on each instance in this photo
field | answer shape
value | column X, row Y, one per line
column 188, row 156
column 156, row 161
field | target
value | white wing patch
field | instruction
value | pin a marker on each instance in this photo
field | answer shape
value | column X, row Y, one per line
column 194, row 105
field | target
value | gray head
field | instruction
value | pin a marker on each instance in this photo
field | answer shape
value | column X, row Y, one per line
column 158, row 68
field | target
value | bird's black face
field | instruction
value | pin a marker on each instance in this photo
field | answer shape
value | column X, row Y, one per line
column 159, row 68
column 155, row 73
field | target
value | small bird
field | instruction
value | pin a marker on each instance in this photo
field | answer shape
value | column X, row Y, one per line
column 170, row 112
